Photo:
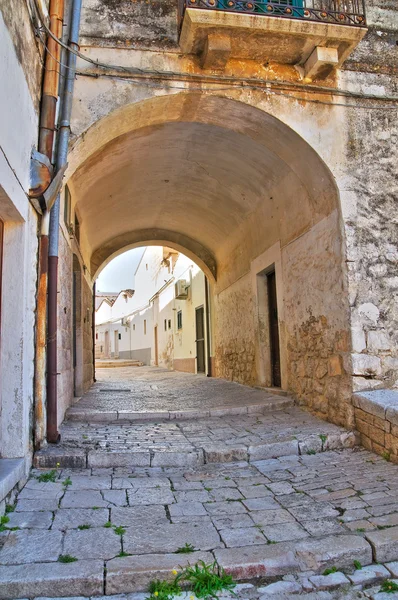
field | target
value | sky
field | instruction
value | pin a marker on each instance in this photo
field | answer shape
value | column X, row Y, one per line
column 119, row 273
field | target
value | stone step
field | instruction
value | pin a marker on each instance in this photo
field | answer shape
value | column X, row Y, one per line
column 117, row 363
column 187, row 455
column 93, row 415
column 131, row 574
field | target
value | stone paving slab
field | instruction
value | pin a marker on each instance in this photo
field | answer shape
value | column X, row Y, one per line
column 168, row 393
column 84, row 578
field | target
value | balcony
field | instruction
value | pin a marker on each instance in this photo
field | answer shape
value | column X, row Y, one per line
column 315, row 35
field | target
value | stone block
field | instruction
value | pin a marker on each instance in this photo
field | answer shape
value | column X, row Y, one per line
column 376, row 402
column 280, row 587
column 67, row 458
column 221, row 453
column 134, row 573
column 99, row 458
column 94, row 543
column 284, row 532
column 30, row 520
column 115, row 497
column 29, row 546
column 186, row 509
column 258, row 561
column 148, row 496
column 216, row 51
column 169, row 537
column 177, row 459
column 139, row 515
column 329, row 582
column 89, row 482
column 368, row 575
column 333, row 551
column 384, row 543
column 83, row 499
column 272, row 450
column 242, row 536
column 358, row 339
column 226, row 508
column 365, row 364
column 378, row 340
column 71, row 518
column 260, row 503
column 310, row 512
column 320, row 63
column 271, row 517
column 335, row 366
column 52, row 579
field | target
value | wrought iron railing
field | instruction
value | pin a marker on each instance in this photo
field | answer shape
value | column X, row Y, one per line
column 342, row 12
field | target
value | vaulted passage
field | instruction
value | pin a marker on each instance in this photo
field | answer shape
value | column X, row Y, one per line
column 251, row 202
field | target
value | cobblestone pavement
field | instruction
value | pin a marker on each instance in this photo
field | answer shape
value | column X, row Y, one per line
column 153, row 389
column 297, row 514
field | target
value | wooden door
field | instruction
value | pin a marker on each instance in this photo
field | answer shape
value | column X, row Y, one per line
column 200, row 340
column 274, row 330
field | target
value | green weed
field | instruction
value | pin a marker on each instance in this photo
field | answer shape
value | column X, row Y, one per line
column 122, row 554
column 10, row 508
column 49, row 476
column 330, row 571
column 66, row 558
column 108, row 524
column 163, row 590
column 185, row 549
column 82, row 527
column 357, row 565
column 323, row 437
column 389, row 587
column 119, row 530
column 206, row 580
column 67, row 482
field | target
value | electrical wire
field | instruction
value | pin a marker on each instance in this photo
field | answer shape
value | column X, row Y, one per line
column 201, row 79
column 266, row 90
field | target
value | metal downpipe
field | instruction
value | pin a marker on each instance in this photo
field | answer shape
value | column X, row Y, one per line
column 62, row 154
column 45, row 146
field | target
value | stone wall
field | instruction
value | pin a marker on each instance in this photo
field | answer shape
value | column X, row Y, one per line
column 87, row 330
column 65, row 335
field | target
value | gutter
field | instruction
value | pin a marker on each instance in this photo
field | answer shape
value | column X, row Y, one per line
column 51, row 80
column 53, row 251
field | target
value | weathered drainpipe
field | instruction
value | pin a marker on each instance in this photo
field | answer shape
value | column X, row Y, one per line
column 45, row 146
column 62, row 153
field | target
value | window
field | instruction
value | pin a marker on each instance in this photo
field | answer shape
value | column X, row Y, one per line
column 146, row 266
column 144, row 326
column 133, row 326
column 169, row 323
column 77, row 229
column 120, row 336
column 165, row 324
column 67, row 207
column 96, row 336
column 179, row 319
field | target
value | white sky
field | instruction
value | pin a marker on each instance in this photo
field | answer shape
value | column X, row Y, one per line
column 119, row 273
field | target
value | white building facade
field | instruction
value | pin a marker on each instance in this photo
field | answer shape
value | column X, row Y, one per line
column 165, row 321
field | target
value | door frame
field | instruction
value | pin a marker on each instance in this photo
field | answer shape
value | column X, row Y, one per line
column 202, row 308
column 270, row 260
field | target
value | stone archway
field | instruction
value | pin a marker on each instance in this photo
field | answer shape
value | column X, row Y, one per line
column 243, row 193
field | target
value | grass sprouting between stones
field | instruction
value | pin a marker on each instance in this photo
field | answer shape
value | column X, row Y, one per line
column 203, row 580
column 123, row 554
column 163, row 590
column 357, row 565
column 66, row 558
column 389, row 587
column 119, row 530
column 47, row 477
column 10, row 508
column 206, row 580
column 67, row 482
column 330, row 571
column 186, row 549
column 85, row 526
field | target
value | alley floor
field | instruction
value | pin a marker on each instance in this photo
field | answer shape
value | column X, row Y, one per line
column 283, row 501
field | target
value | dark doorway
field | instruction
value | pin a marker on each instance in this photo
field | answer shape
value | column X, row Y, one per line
column 274, row 330
column 200, row 339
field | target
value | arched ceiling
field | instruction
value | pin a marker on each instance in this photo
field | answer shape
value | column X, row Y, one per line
column 195, row 172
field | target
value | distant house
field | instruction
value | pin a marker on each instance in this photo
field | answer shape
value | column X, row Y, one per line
column 163, row 321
